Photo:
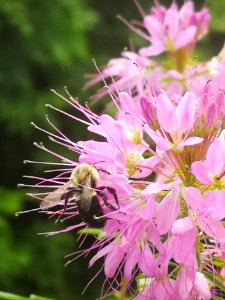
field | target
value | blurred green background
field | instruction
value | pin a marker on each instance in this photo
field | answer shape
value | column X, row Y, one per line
column 47, row 44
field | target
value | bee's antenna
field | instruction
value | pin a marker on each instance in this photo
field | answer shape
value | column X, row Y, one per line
column 26, row 211
column 98, row 162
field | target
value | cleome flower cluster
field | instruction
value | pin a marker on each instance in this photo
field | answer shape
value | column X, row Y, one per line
column 153, row 183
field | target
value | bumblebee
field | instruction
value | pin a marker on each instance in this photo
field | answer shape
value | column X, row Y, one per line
column 84, row 180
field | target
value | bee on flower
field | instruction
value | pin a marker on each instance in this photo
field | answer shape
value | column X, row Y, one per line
column 153, row 179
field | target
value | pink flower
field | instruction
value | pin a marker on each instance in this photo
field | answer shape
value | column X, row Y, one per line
column 200, row 214
column 153, row 188
column 125, row 72
column 125, row 137
column 172, row 29
column 211, row 170
column 201, row 288
column 177, row 121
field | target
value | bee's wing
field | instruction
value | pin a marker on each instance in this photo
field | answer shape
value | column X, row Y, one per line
column 54, row 197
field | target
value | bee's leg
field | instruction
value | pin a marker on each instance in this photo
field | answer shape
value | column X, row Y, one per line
column 113, row 192
column 105, row 171
column 66, row 197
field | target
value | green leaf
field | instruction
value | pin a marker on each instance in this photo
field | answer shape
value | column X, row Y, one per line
column 35, row 297
column 11, row 200
column 91, row 231
column 217, row 261
column 8, row 296
column 218, row 298
column 217, row 9
column 213, row 278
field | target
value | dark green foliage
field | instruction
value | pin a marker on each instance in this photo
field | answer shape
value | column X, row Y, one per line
column 218, row 16
column 44, row 45
column 48, row 44
column 9, row 296
column 40, row 40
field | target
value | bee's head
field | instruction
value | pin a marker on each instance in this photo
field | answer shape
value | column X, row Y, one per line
column 81, row 172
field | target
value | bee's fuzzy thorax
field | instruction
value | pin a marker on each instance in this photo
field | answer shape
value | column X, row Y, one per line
column 80, row 173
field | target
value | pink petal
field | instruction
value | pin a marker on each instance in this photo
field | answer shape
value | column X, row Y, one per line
column 181, row 226
column 148, row 211
column 184, row 248
column 159, row 290
column 130, row 262
column 193, row 197
column 161, row 143
column 154, row 237
column 214, row 229
column 185, row 37
column 95, row 152
column 215, row 158
column 185, row 282
column 154, row 188
column 97, row 129
column 210, row 115
column 152, row 50
column 201, row 172
column 102, row 252
column 113, row 261
column 202, row 287
column 166, row 113
column 154, row 27
column 216, row 199
column 186, row 11
column 185, row 112
column 146, row 167
column 171, row 204
column 147, row 261
column 134, row 232
column 171, row 23
column 190, row 141
column 219, row 101
column 127, row 102
column 148, row 110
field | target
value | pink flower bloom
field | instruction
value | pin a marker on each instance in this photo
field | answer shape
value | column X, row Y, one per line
column 125, row 136
column 172, row 29
column 201, row 288
column 126, row 74
column 201, row 214
column 211, row 170
column 215, row 67
column 152, row 187
column 159, row 290
column 176, row 121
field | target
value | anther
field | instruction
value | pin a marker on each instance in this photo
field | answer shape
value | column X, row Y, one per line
column 68, row 262
column 33, row 124
column 48, row 105
column 26, row 211
column 19, row 185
